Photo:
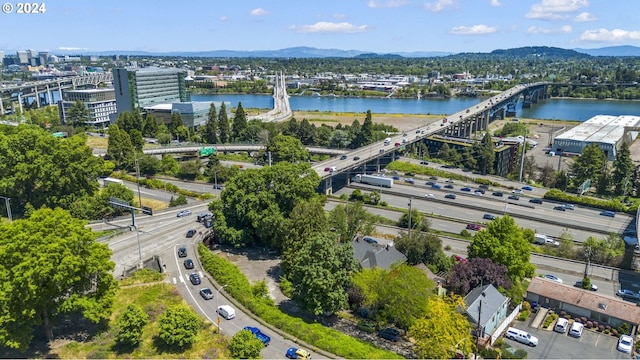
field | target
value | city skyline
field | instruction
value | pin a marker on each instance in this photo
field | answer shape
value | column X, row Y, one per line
column 381, row 26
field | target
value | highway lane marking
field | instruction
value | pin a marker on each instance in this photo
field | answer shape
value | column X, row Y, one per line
column 174, row 281
column 181, row 278
column 175, row 256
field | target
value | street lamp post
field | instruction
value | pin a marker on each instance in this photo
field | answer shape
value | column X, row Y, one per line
column 6, row 201
column 217, row 312
column 138, row 179
column 139, row 249
column 215, row 179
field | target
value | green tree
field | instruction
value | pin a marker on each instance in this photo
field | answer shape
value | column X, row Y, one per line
column 179, row 326
column 223, row 125
column 503, row 242
column 169, row 165
column 130, row 325
column 589, row 164
column 365, row 136
column 120, row 150
column 321, row 274
column 306, row 220
column 176, row 122
column 307, row 133
column 72, row 273
column 423, row 247
column 38, row 169
column 418, row 222
column 256, row 203
column 351, row 220
column 211, row 128
column 189, row 170
column 286, row 148
column 443, row 330
column 487, row 154
column 340, row 139
column 78, row 114
column 150, row 126
column 149, row 165
column 136, row 139
column 245, row 345
column 398, row 295
column 239, row 124
column 623, row 170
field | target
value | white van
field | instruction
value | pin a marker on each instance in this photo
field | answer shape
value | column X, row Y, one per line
column 387, row 141
column 226, row 312
column 561, row 326
column 576, row 329
column 521, row 336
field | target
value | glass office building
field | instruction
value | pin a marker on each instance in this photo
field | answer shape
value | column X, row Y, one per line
column 140, row 88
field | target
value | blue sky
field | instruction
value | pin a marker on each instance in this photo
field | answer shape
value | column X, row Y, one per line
column 382, row 26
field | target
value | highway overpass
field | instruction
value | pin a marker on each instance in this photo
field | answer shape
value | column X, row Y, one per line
column 233, row 147
column 461, row 124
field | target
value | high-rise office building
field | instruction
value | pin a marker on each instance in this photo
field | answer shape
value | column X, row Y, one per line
column 23, row 57
column 101, row 103
column 140, row 88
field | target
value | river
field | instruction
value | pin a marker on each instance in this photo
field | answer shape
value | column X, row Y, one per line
column 552, row 109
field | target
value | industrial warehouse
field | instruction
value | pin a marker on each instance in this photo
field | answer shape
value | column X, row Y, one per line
column 605, row 130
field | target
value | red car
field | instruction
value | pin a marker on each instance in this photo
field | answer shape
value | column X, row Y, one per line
column 327, row 169
column 474, row 227
column 397, row 144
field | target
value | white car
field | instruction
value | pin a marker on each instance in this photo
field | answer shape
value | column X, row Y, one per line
column 430, row 195
column 517, row 191
column 553, row 278
column 625, row 344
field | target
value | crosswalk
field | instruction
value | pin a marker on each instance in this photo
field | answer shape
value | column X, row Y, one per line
column 181, row 278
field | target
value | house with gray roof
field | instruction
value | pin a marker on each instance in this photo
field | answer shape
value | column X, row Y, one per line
column 487, row 307
column 371, row 255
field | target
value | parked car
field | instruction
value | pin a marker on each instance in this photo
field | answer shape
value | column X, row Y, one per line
column 628, row 294
column 370, row 240
column 593, row 286
column 294, row 353
column 497, row 193
column 474, row 227
column 489, row 216
column 527, row 187
column 184, row 213
column 450, row 196
column 553, row 278
column 389, row 334
column 536, row 201
column 560, row 208
column 259, row 334
column 467, row 189
column 190, row 233
column 195, row 279
column 206, row 293
column 625, row 344
column 514, row 197
column 188, row 264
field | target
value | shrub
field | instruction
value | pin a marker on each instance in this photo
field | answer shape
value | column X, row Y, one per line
column 614, row 332
column 583, row 320
column 623, row 328
column 595, row 324
column 589, row 324
column 608, row 327
column 601, row 328
column 526, row 305
column 465, row 234
column 563, row 314
column 578, row 319
column 285, row 287
column 606, row 331
column 524, row 314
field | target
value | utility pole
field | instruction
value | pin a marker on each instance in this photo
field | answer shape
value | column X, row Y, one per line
column 218, row 313
column 586, row 267
column 410, row 217
column 135, row 157
column 478, row 328
column 6, row 201
column 524, row 149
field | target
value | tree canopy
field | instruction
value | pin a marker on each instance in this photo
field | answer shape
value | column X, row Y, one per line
column 40, row 170
column 286, row 148
column 503, row 242
column 467, row 275
column 321, row 274
column 51, row 264
column 253, row 208
column 426, row 248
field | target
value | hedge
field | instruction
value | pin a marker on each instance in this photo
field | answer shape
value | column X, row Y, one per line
column 328, row 339
column 613, row 205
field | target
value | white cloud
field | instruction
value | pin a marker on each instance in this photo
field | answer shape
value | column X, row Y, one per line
column 388, row 4
column 70, row 48
column 496, row 3
column 439, row 5
column 223, row 18
column 258, row 12
column 329, row 27
column 540, row 30
column 472, row 30
column 555, row 9
column 585, row 16
column 610, row 36
column 339, row 16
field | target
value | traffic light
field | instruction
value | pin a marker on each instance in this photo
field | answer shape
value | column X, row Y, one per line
column 147, row 210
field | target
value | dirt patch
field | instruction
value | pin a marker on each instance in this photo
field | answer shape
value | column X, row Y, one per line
column 400, row 121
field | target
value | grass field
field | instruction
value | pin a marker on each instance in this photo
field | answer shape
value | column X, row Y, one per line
column 154, row 297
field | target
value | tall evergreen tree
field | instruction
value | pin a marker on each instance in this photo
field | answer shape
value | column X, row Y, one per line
column 365, row 136
column 176, row 122
column 150, row 126
column 239, row 123
column 488, row 155
column 589, row 164
column 78, row 114
column 223, row 125
column 623, row 171
column 211, row 129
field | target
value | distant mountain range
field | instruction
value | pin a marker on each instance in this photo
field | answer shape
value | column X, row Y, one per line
column 311, row 52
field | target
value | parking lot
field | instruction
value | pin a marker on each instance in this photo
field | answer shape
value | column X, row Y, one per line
column 553, row 345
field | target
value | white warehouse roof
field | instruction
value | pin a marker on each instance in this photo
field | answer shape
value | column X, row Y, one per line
column 606, row 129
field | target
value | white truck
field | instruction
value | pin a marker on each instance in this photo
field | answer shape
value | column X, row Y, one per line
column 373, row 180
column 544, row 239
column 110, row 180
column 387, row 141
